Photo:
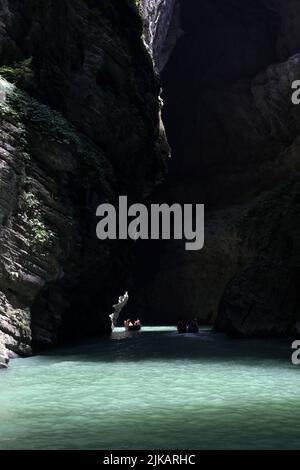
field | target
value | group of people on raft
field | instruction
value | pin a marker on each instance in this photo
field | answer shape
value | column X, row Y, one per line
column 130, row 323
column 184, row 326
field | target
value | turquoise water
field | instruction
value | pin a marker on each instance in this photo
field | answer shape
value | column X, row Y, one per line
column 152, row 390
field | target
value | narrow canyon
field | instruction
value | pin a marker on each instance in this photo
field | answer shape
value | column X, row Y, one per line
column 94, row 96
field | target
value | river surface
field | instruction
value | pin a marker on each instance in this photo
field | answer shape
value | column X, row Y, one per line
column 153, row 389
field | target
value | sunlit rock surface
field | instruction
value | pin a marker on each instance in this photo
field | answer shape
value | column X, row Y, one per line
column 161, row 19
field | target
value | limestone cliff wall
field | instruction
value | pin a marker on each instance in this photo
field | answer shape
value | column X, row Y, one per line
column 83, row 129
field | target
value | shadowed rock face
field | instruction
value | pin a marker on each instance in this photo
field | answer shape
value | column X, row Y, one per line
column 234, row 135
column 103, row 139
column 263, row 298
column 227, row 85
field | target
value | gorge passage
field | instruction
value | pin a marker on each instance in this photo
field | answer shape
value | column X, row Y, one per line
column 82, row 122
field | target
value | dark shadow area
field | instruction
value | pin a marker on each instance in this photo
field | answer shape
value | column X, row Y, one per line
column 170, row 346
column 233, row 133
column 223, row 43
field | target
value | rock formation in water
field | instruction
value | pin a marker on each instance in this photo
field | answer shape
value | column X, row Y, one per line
column 79, row 125
column 235, row 135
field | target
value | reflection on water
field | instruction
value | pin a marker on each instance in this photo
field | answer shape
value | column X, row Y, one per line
column 151, row 390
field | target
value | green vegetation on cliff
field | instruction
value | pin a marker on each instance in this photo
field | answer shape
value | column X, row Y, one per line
column 20, row 74
column 26, row 110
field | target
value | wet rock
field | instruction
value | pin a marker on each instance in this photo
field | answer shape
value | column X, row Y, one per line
column 3, row 354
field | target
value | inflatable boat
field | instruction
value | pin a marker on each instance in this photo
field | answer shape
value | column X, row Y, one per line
column 133, row 328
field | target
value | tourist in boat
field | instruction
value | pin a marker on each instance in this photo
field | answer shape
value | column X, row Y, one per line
column 181, row 327
column 134, row 325
column 193, row 326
